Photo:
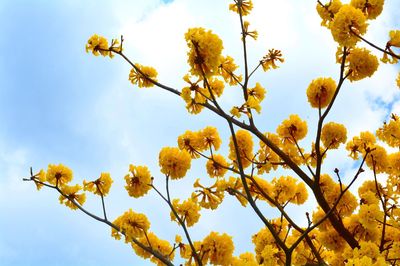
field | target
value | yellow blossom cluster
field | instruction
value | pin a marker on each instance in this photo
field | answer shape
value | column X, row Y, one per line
column 320, row 92
column 371, row 8
column 245, row 259
column 255, row 96
column 242, row 7
column 346, row 21
column 332, row 191
column 269, row 61
column 210, row 197
column 267, row 158
column 156, row 244
column 227, row 69
column 196, row 142
column 97, row 45
column 217, row 249
column 131, row 225
column 328, row 11
column 138, row 181
column 286, row 189
column 361, row 64
column 143, row 76
column 292, row 129
column 101, row 186
column 390, row 132
column 188, row 211
column 266, row 249
column 204, row 56
column 174, row 162
column 70, row 196
column 217, row 166
column 245, row 148
column 333, row 134
column 58, row 175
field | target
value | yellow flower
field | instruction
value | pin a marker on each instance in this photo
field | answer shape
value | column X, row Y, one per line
column 212, row 196
column 218, row 248
column 266, row 156
column 58, row 174
column 398, row 80
column 217, row 87
column 245, row 259
column 204, row 53
column 226, row 70
column 284, row 189
column 190, row 141
column 131, row 224
column 369, row 186
column 209, row 138
column 188, row 211
column 360, row 144
column 71, row 195
column 269, row 60
column 245, row 147
column 390, row 132
column 346, row 20
column 292, row 128
column 378, row 158
column 328, row 11
column 362, row 64
column 98, row 45
column 40, row 178
column 258, row 92
column 332, row 240
column 143, row 76
column 174, row 162
column 252, row 34
column 100, row 186
column 193, row 103
column 301, row 194
column 371, row 8
column 333, row 134
column 245, row 7
column 161, row 246
column 394, row 38
column 217, row 166
column 320, row 92
column 178, row 239
column 138, row 181
column 235, row 111
column 369, row 215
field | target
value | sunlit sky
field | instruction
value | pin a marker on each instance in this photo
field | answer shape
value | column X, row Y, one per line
column 61, row 105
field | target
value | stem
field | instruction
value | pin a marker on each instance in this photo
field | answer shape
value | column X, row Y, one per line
column 280, row 243
column 181, row 222
column 375, row 46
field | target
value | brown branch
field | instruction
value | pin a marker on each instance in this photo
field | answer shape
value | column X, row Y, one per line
column 105, row 221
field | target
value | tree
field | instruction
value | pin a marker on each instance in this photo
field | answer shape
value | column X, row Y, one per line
column 343, row 229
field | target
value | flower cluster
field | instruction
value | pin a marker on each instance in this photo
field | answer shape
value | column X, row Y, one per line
column 143, row 76
column 333, row 134
column 245, row 148
column 188, row 211
column 174, row 162
column 347, row 21
column 101, row 186
column 204, row 53
column 320, row 92
column 138, row 181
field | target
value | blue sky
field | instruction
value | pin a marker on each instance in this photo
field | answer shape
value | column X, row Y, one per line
column 61, row 105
